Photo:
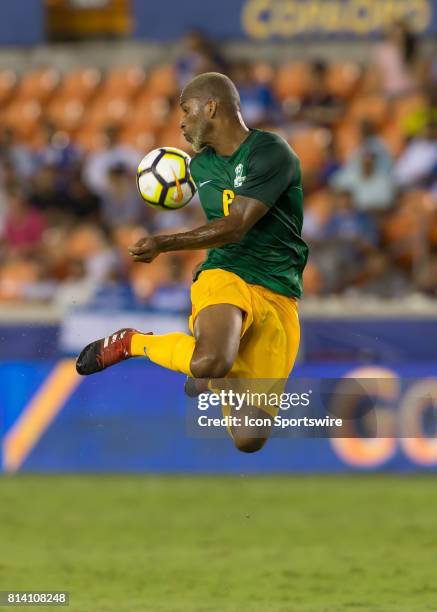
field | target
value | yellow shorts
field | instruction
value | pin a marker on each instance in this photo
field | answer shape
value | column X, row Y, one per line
column 270, row 334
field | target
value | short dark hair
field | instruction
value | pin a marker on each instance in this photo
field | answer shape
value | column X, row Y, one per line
column 213, row 85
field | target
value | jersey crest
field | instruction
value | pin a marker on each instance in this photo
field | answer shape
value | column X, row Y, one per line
column 239, row 178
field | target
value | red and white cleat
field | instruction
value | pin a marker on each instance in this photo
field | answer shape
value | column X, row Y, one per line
column 103, row 353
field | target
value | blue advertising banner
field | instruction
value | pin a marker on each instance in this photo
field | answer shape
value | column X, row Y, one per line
column 369, row 340
column 266, row 20
column 133, row 418
column 359, row 340
column 22, row 22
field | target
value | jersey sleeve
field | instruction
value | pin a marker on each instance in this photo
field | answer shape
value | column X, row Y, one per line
column 272, row 168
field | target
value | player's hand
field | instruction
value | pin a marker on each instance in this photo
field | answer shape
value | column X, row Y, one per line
column 145, row 250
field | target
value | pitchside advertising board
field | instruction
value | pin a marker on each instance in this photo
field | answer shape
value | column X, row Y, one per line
column 133, row 418
column 280, row 20
column 22, row 22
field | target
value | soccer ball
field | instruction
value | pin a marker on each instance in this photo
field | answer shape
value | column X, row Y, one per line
column 164, row 180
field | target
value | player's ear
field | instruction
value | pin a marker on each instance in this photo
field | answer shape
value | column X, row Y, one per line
column 211, row 108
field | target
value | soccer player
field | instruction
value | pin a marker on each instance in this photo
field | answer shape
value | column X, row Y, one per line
column 244, row 296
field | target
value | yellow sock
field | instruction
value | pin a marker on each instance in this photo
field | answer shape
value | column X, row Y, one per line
column 172, row 351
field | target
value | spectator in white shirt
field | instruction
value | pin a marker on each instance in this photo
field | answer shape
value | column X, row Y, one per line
column 98, row 165
column 372, row 187
column 396, row 60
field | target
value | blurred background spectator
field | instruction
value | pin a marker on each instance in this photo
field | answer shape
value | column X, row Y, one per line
column 370, row 183
column 258, row 104
column 397, row 60
column 320, row 105
column 23, row 224
column 198, row 55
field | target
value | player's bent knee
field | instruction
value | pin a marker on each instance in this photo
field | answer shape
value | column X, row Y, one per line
column 210, row 366
column 249, row 445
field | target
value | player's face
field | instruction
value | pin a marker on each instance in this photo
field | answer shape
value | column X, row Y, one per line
column 195, row 124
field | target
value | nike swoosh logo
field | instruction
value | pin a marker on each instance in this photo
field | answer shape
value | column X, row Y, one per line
column 204, row 183
column 180, row 195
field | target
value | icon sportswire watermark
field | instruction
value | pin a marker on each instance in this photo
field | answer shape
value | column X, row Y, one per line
column 237, row 403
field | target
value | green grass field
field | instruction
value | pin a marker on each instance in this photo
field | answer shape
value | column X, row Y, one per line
column 225, row 544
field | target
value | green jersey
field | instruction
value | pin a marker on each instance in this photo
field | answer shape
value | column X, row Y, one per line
column 272, row 253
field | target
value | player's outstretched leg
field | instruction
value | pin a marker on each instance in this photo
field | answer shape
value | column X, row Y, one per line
column 101, row 354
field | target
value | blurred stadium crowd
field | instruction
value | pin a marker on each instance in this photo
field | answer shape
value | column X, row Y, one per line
column 70, row 144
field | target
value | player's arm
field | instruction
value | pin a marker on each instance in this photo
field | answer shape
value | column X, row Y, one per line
column 244, row 212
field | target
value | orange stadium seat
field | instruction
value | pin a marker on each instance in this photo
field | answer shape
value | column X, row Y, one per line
column 8, row 83
column 124, row 79
column 125, row 236
column 23, row 116
column 346, row 138
column 139, row 138
column 150, row 112
column 292, row 80
column 433, row 228
column 421, row 202
column 14, row 275
column 39, row 84
column 108, row 110
column 66, row 113
column 162, row 81
column 369, row 83
column 172, row 137
column 408, row 229
column 81, row 83
column 85, row 241
column 143, row 285
column 310, row 145
column 372, row 108
column 343, row 78
column 91, row 138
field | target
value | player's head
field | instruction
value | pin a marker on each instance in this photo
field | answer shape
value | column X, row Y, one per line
column 206, row 101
